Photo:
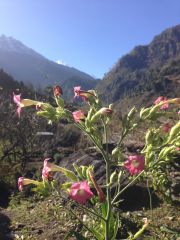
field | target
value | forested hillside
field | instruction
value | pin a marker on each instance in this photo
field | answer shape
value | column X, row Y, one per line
column 145, row 73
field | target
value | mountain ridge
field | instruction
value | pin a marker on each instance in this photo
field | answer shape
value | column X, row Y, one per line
column 141, row 72
column 26, row 65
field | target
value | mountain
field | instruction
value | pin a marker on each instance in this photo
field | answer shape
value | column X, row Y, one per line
column 8, row 85
column 145, row 73
column 28, row 66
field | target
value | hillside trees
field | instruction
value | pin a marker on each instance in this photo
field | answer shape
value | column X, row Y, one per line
column 17, row 135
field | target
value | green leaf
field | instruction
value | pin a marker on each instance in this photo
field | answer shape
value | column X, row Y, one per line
column 97, row 234
column 116, row 225
column 104, row 209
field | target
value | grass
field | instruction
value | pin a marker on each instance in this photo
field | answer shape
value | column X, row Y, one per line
column 48, row 219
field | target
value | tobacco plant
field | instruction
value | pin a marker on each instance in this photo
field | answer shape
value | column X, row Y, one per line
column 161, row 147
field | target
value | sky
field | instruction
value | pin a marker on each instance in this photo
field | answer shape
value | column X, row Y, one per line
column 90, row 35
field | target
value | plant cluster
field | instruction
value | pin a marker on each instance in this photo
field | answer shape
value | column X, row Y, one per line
column 162, row 145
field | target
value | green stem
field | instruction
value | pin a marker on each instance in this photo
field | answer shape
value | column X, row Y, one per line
column 92, row 212
column 93, row 140
column 106, row 159
column 108, row 191
column 125, row 132
column 121, row 139
column 89, row 135
column 117, row 195
column 150, row 199
column 108, row 201
column 73, row 214
column 87, row 228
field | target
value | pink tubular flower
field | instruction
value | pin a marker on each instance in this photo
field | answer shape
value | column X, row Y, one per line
column 23, row 102
column 81, row 93
column 166, row 127
column 25, row 181
column 163, row 100
column 135, row 164
column 46, row 169
column 17, row 100
column 49, row 167
column 80, row 192
column 20, row 183
column 78, row 115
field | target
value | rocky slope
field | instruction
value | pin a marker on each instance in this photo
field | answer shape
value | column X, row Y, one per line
column 146, row 72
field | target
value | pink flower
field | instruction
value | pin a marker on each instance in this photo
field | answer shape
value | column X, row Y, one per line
column 23, row 103
column 135, row 164
column 166, row 127
column 20, row 183
column 80, row 192
column 57, row 90
column 162, row 99
column 25, row 181
column 78, row 115
column 81, row 93
column 46, row 169
column 17, row 100
column 50, row 167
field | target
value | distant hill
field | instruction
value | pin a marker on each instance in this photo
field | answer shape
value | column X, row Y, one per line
column 8, row 85
column 28, row 66
column 145, row 73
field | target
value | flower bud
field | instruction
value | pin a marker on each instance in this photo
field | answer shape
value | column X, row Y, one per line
column 131, row 113
column 113, row 177
column 166, row 151
column 111, row 106
column 144, row 113
column 115, row 152
column 102, row 112
column 100, row 193
column 175, row 130
column 57, row 90
column 149, row 137
column 166, row 127
column 175, row 101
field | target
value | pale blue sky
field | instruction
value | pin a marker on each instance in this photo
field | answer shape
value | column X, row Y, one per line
column 90, row 35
